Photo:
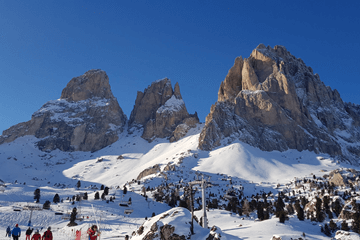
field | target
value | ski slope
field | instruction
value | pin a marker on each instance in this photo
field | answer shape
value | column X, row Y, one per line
column 25, row 168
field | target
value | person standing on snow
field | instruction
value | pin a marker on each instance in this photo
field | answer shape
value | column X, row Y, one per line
column 16, row 232
column 8, row 232
column 36, row 236
column 47, row 235
column 28, row 233
column 93, row 232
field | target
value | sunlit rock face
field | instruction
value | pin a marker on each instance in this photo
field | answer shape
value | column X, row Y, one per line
column 87, row 117
column 159, row 110
column 273, row 101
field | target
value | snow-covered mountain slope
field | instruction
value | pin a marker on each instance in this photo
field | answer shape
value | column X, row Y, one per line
column 238, row 166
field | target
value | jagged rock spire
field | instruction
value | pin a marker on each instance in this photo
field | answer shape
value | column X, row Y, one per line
column 273, row 101
column 161, row 112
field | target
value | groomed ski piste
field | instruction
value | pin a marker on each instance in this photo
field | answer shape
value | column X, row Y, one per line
column 24, row 168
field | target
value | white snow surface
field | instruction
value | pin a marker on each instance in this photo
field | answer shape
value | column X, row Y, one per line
column 63, row 110
column 25, row 168
column 171, row 105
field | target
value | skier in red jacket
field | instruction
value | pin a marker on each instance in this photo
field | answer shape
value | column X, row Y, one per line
column 47, row 235
column 93, row 232
column 36, row 236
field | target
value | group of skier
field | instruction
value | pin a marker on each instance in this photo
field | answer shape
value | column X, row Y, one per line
column 16, row 233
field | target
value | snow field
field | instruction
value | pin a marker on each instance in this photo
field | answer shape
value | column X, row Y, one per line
column 238, row 165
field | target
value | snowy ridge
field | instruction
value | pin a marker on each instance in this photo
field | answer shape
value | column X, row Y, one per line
column 63, row 110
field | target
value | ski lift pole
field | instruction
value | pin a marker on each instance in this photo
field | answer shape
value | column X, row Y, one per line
column 192, row 210
column 31, row 211
column 203, row 186
column 203, row 183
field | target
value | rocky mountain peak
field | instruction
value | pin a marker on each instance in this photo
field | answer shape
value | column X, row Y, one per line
column 87, row 117
column 149, row 101
column 93, row 83
column 273, row 101
column 161, row 112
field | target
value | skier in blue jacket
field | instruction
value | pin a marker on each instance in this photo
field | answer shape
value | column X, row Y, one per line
column 8, row 232
column 16, row 232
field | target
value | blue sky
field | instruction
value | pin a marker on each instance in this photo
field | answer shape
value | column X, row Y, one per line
column 43, row 44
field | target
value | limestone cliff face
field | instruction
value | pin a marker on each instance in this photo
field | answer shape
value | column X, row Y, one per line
column 159, row 110
column 273, row 101
column 87, row 117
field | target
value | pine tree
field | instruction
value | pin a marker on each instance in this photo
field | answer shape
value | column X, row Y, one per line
column 300, row 211
column 183, row 204
column 332, row 225
column 37, row 195
column 106, row 190
column 125, row 190
column 97, row 196
column 78, row 184
column 282, row 216
column 326, row 201
column 46, row 205
column 103, row 196
column 260, row 211
column 85, row 197
column 56, row 198
column 279, row 206
column 73, row 216
column 102, row 187
column 214, row 203
column 327, row 231
column 345, row 226
column 337, row 207
column 319, row 213
column 303, row 201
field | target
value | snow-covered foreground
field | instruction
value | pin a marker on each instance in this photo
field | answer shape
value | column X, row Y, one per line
column 24, row 168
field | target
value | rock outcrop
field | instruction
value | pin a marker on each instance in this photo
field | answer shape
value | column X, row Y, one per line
column 159, row 110
column 87, row 117
column 174, row 225
column 273, row 101
column 152, row 170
